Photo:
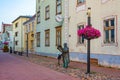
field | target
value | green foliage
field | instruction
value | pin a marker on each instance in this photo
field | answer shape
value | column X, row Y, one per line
column 5, row 49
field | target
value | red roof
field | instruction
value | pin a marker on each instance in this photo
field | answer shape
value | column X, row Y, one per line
column 4, row 25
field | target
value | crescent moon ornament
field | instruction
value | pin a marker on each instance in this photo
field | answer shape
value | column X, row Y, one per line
column 59, row 18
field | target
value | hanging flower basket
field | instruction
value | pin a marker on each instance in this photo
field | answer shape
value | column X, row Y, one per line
column 6, row 43
column 89, row 33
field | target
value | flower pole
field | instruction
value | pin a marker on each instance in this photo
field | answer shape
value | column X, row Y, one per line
column 89, row 33
column 27, row 44
column 88, row 41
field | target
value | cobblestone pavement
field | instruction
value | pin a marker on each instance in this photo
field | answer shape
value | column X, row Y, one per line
column 76, row 69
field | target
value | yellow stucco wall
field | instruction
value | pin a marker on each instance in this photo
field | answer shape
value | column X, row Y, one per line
column 31, row 30
column 20, row 29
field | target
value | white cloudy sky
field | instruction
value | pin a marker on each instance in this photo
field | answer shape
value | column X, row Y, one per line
column 11, row 9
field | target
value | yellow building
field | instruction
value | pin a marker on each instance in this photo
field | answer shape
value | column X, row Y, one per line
column 29, row 30
column 18, row 31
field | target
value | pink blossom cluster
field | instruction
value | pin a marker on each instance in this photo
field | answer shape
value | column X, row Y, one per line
column 89, row 32
column 6, row 43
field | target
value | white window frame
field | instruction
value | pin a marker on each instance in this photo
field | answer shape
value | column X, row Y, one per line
column 115, row 31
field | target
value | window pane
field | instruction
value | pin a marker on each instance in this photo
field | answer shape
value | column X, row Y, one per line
column 47, row 15
column 47, row 12
column 58, row 1
column 112, row 22
column 58, row 36
column 78, row 27
column 107, row 36
column 112, row 36
column 81, row 39
column 82, row 1
column 107, row 23
column 59, row 9
column 47, row 38
column 38, row 17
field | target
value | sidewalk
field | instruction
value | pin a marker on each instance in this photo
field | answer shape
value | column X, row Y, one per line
column 14, row 68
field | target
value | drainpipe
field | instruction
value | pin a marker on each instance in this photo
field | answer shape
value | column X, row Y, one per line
column 66, row 26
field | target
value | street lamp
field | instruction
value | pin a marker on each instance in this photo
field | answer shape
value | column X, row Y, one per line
column 88, row 41
column 27, row 44
column 14, row 43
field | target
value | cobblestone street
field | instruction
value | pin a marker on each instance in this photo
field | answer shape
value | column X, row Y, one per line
column 76, row 69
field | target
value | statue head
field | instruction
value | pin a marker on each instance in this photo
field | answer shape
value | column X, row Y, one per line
column 65, row 44
column 65, row 49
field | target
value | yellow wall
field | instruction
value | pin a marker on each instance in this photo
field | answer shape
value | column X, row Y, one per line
column 31, row 35
column 20, row 29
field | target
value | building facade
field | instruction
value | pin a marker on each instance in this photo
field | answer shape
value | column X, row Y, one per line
column 29, row 29
column 18, row 32
column 6, row 35
column 50, row 26
column 0, row 41
column 105, row 17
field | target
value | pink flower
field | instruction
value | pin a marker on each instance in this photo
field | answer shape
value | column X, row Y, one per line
column 6, row 43
column 89, row 32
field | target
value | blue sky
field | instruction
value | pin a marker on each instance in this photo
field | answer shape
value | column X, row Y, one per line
column 11, row 9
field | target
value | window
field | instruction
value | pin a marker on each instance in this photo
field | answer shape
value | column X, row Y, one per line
column 47, row 12
column 16, row 34
column 38, row 15
column 38, row 39
column 58, row 6
column 80, row 40
column 58, row 36
column 109, row 30
column 16, row 43
column 47, row 37
column 79, row 2
column 16, row 25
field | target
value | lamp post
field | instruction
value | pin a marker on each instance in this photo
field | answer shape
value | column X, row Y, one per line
column 27, row 44
column 88, row 41
column 14, row 43
column 66, row 27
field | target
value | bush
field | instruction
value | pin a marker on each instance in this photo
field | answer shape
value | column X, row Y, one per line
column 5, row 49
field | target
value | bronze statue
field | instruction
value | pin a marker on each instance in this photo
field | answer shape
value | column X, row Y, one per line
column 64, row 55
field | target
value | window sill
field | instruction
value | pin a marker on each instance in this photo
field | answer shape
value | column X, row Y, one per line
column 47, row 18
column 110, row 44
column 80, row 7
column 80, row 4
column 80, row 44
